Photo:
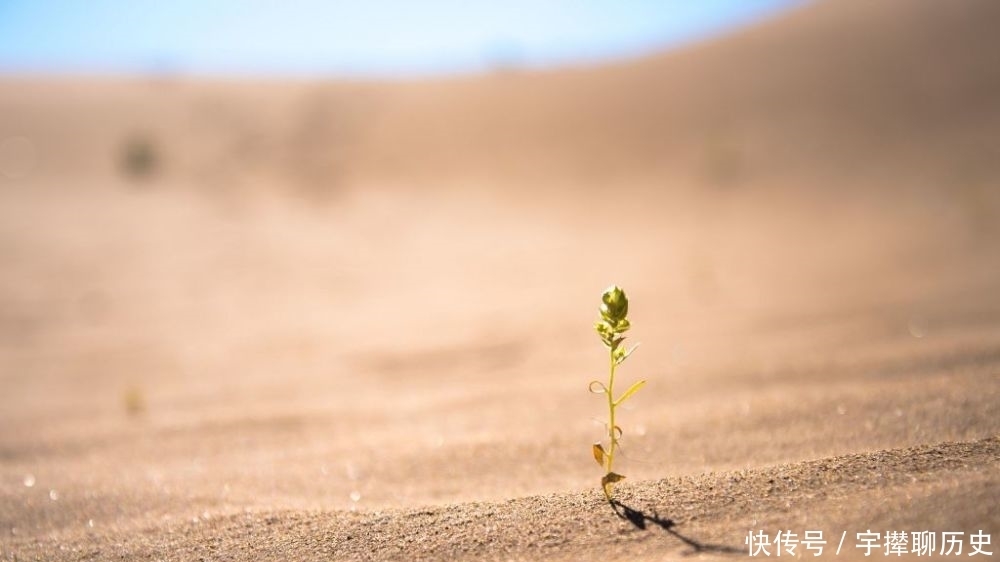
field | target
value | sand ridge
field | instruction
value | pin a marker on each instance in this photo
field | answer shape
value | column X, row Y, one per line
column 708, row 515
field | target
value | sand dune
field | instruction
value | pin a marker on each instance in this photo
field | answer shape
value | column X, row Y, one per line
column 310, row 320
column 891, row 94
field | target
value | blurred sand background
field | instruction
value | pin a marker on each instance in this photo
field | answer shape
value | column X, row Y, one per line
column 316, row 319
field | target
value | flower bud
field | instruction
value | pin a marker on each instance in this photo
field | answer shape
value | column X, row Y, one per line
column 615, row 306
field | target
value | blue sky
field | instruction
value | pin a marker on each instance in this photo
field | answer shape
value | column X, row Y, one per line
column 362, row 38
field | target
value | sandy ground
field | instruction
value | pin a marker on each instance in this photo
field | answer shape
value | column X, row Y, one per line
column 259, row 370
column 301, row 397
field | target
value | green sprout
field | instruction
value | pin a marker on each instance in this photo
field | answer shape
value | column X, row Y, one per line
column 612, row 327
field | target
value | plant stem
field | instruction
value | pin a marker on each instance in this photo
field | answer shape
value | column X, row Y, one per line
column 611, row 416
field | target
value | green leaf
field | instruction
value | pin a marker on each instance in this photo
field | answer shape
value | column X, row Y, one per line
column 631, row 390
column 622, row 354
column 599, row 454
column 619, row 355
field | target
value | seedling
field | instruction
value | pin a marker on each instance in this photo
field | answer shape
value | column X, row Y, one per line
column 133, row 401
column 611, row 328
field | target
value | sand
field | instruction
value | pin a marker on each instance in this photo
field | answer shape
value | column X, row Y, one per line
column 354, row 320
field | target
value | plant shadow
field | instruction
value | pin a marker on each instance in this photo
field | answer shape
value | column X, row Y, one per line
column 642, row 521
